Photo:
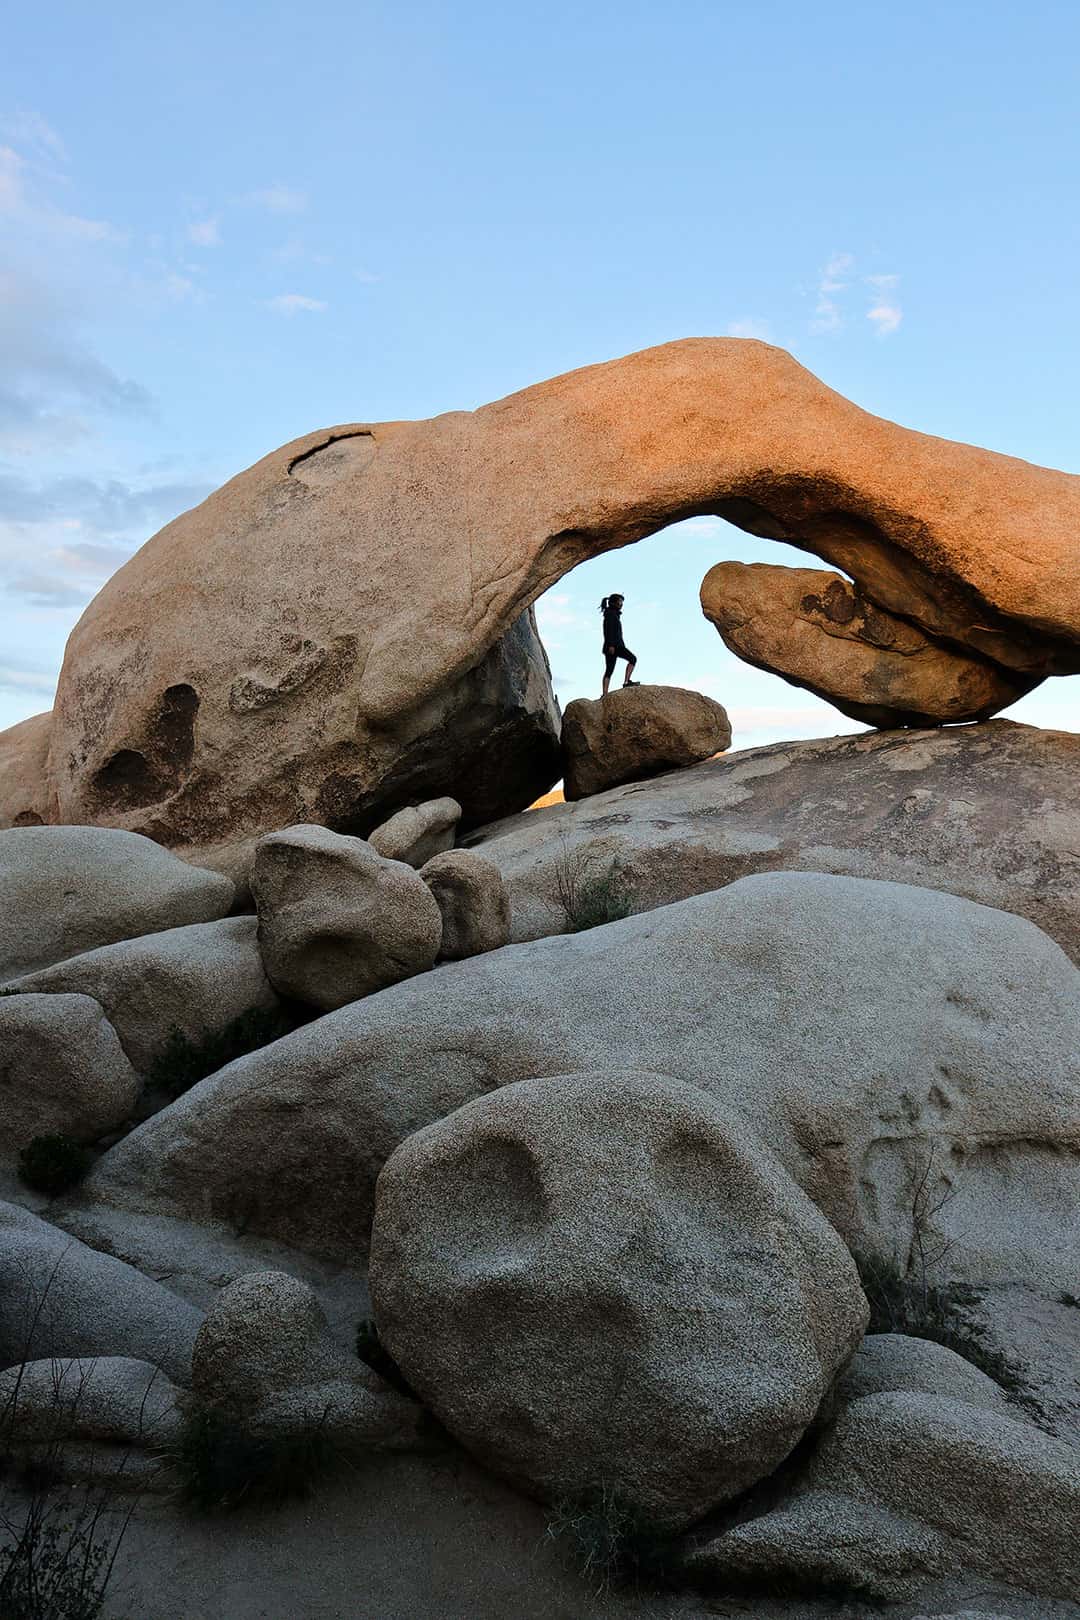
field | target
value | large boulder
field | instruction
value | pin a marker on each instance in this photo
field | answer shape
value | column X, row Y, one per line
column 336, row 920
column 64, row 890
column 265, row 1358
column 987, row 811
column 635, row 732
column 473, row 900
column 298, row 646
column 417, row 833
column 59, row 1298
column 909, row 1056
column 821, row 632
column 907, row 1486
column 25, row 799
column 606, row 1278
column 62, row 1070
column 189, row 982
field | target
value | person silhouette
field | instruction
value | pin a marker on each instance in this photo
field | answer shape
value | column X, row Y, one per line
column 614, row 645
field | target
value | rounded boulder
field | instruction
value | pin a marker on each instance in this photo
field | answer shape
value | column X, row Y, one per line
column 636, row 732
column 607, row 1279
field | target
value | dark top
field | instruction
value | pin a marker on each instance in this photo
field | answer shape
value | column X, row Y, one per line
column 612, row 627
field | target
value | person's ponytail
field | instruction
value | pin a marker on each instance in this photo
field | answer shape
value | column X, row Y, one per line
column 604, row 603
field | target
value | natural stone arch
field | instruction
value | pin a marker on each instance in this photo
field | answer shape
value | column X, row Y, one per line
column 417, row 546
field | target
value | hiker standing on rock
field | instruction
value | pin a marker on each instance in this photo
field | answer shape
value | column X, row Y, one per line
column 614, row 645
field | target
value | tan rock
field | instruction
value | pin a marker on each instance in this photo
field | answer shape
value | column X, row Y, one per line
column 636, row 732
column 606, row 1277
column 282, row 650
column 25, row 797
column 821, row 632
column 336, row 920
column 418, row 833
column 987, row 811
column 473, row 900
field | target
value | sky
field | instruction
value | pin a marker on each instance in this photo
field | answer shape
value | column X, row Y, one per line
column 225, row 226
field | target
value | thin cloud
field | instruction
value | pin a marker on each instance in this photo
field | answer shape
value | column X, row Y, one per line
column 884, row 313
column 19, row 198
column 751, row 327
column 204, row 233
column 22, row 678
column 294, row 303
column 29, row 130
column 832, row 283
column 366, row 277
column 279, row 200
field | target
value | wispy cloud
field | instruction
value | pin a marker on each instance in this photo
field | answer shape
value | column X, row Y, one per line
column 20, row 198
column 204, row 233
column 751, row 327
column 279, row 200
column 15, row 676
column 295, row 303
column 832, row 283
column 31, row 132
column 884, row 313
column 366, row 277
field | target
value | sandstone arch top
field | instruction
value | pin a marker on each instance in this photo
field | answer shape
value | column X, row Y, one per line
column 301, row 627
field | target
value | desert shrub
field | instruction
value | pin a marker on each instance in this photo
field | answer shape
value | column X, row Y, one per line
column 53, row 1164
column 610, row 1542
column 222, row 1464
column 184, row 1062
column 591, row 891
column 58, row 1570
column 370, row 1349
column 940, row 1313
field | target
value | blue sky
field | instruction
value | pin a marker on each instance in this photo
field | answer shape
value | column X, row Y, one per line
column 223, row 226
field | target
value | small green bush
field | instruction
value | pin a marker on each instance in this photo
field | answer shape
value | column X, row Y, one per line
column 222, row 1465
column 610, row 1542
column 185, row 1062
column 370, row 1349
column 924, row 1310
column 591, row 893
column 53, row 1164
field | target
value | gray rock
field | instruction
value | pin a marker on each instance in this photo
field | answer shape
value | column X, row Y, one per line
column 62, row 1069
column 985, row 811
column 64, row 890
column 264, row 1356
column 636, row 732
column 474, row 903
column 111, row 1398
column 607, row 1278
column 418, row 832
column 195, row 980
column 908, row 1485
column 60, row 1299
column 336, row 920
column 897, row 1361
column 909, row 1056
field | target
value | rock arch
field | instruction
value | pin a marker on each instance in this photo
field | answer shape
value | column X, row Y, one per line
column 420, row 544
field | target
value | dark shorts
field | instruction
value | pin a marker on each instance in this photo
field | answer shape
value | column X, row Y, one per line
column 615, row 650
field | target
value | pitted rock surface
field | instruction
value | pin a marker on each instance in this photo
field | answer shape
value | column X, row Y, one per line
column 821, row 632
column 607, row 1277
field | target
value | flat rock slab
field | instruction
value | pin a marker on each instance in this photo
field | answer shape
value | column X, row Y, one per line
column 987, row 811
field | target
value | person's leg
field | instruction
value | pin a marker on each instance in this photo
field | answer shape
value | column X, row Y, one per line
column 631, row 665
column 609, row 665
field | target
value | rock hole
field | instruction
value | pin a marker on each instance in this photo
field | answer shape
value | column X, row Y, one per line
column 134, row 777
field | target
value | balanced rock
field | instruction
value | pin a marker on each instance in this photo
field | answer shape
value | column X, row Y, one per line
column 192, row 982
column 64, row 890
column 987, row 811
column 25, row 800
column 265, row 1357
column 635, row 732
column 336, row 920
column 906, row 1486
column 301, row 645
column 59, row 1298
column 417, row 833
column 473, row 900
column 909, row 1056
column 62, row 1070
column 821, row 632
column 608, row 1277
